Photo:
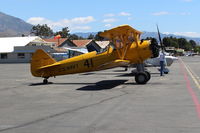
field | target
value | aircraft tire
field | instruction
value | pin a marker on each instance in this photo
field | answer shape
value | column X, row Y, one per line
column 45, row 81
column 148, row 75
column 141, row 78
column 126, row 69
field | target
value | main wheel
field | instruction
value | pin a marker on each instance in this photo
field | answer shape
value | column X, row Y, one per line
column 141, row 78
column 148, row 75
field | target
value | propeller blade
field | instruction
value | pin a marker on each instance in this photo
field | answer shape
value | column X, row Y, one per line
column 162, row 46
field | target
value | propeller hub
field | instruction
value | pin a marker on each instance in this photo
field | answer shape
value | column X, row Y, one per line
column 154, row 48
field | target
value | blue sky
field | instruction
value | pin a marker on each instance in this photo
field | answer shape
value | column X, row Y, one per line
column 179, row 17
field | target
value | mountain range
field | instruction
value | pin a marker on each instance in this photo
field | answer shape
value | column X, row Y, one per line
column 11, row 26
column 145, row 35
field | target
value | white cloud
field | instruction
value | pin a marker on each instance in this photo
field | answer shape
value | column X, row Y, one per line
column 188, row 34
column 185, row 13
column 73, row 24
column 187, row 0
column 110, row 20
column 108, row 25
column 77, row 28
column 109, row 15
column 124, row 14
column 38, row 20
column 130, row 18
column 119, row 14
column 82, row 20
column 160, row 13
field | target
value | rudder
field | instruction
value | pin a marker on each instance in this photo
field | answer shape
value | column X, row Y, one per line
column 40, row 59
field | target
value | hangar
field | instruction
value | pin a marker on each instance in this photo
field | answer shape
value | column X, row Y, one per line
column 20, row 49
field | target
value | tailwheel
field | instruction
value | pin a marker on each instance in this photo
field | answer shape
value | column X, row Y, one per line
column 142, row 78
column 126, row 69
column 45, row 81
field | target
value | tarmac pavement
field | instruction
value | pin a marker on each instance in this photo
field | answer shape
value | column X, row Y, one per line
column 101, row 102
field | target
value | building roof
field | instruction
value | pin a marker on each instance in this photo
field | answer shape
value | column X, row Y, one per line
column 103, row 44
column 81, row 43
column 52, row 40
column 7, row 44
column 80, row 50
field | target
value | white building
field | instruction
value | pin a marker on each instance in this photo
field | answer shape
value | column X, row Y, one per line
column 20, row 49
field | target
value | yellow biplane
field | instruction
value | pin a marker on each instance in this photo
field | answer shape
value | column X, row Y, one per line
column 127, row 49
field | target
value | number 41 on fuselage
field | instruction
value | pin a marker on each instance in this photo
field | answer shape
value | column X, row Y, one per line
column 127, row 49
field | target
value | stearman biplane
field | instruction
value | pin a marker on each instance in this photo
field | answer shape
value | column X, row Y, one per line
column 127, row 49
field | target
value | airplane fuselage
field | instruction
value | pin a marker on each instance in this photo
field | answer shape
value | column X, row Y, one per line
column 94, row 61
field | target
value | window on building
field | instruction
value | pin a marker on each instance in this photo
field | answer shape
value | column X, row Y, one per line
column 21, row 55
column 4, row 56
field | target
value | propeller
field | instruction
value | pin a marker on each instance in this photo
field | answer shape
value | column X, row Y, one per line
column 161, row 43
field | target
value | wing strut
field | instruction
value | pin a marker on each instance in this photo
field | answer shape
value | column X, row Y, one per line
column 122, row 38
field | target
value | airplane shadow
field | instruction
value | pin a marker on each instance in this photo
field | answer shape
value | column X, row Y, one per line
column 119, row 71
column 89, row 73
column 38, row 84
column 126, row 75
column 102, row 85
column 102, row 73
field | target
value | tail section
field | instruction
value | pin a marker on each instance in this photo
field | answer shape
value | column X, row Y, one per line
column 40, row 59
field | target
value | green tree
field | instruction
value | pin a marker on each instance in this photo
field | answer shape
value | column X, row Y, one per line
column 167, row 41
column 174, row 43
column 73, row 37
column 197, row 49
column 42, row 30
column 98, row 37
column 64, row 32
column 182, row 42
column 90, row 36
column 179, row 43
column 170, row 42
column 193, row 43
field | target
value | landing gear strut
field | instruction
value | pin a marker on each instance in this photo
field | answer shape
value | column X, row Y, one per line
column 142, row 76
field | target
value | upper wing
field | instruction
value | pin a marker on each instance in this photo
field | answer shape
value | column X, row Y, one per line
column 120, row 30
column 122, row 37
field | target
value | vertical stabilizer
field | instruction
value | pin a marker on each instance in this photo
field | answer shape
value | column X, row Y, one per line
column 40, row 59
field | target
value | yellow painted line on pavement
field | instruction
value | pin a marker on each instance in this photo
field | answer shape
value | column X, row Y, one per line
column 192, row 74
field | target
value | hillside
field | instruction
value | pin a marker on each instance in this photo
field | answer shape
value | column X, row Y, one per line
column 12, row 26
column 155, row 35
